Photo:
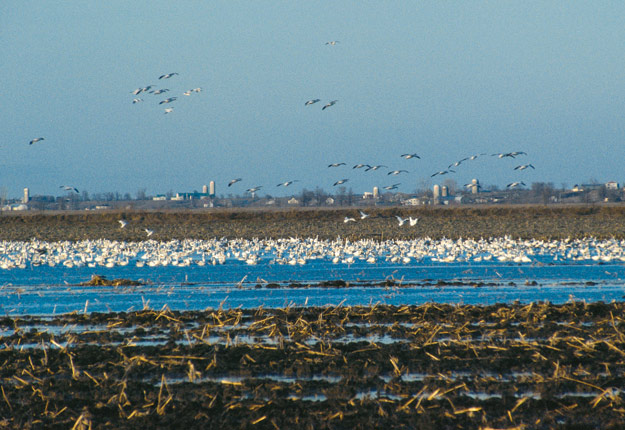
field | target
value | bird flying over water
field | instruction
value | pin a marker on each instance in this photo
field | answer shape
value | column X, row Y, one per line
column 332, row 103
column 35, row 140
column 234, row 181
column 311, row 102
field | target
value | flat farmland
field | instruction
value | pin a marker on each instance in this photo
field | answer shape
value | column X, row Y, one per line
column 525, row 222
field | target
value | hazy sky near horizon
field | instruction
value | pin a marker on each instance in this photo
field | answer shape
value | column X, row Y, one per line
column 442, row 79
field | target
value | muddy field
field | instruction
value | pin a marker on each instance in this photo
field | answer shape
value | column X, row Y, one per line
column 541, row 222
column 536, row 366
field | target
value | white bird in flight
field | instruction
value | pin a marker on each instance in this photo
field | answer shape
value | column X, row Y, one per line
column 332, row 42
column 287, row 183
column 339, row 182
column 168, row 100
column 69, row 188
column 311, row 102
column 137, row 100
column 148, row 232
column 391, row 187
column 142, row 90
column 35, row 140
column 515, row 184
column 254, row 189
column 363, row 215
column 169, row 110
column 348, row 219
column 443, row 172
column 401, row 220
column 396, row 172
column 234, row 181
column 336, row 164
column 332, row 103
column 123, row 223
column 376, row 167
column 167, row 76
column 524, row 166
column 409, row 156
column 413, row 221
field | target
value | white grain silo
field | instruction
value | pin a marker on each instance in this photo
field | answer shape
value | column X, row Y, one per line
column 436, row 193
column 26, row 198
column 444, row 191
column 376, row 192
column 204, row 189
column 211, row 189
column 475, row 186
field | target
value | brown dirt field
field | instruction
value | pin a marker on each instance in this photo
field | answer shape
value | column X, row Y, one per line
column 540, row 222
column 537, row 366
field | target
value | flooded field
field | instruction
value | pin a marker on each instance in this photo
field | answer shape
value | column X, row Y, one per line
column 430, row 366
column 387, row 327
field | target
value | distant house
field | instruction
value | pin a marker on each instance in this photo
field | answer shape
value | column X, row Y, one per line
column 293, row 201
column 612, row 185
column 18, row 207
column 415, row 201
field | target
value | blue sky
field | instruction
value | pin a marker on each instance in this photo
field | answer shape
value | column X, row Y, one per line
column 442, row 79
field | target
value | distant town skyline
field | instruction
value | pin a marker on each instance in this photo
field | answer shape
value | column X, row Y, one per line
column 105, row 97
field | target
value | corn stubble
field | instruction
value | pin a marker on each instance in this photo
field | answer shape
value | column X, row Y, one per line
column 431, row 366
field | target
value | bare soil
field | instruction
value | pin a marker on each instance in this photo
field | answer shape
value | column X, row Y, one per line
column 540, row 222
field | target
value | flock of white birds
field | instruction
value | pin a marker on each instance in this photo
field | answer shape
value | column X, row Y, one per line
column 295, row 251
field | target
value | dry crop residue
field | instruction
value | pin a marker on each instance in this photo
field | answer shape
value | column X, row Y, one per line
column 430, row 367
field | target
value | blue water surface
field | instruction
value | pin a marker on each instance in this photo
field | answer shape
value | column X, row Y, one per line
column 49, row 290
